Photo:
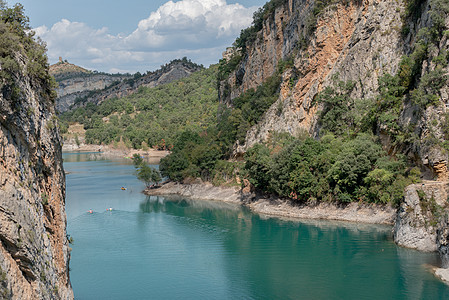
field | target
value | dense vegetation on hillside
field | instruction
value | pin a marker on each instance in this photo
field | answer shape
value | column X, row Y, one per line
column 152, row 116
column 330, row 169
column 346, row 164
column 17, row 40
column 205, row 154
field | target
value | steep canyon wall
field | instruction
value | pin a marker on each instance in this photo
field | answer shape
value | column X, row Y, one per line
column 34, row 249
column 357, row 41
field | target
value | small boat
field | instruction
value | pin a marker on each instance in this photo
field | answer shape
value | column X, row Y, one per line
column 123, row 188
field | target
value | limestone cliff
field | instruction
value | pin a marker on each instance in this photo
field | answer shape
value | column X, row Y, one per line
column 34, row 249
column 71, row 89
column 356, row 41
column 422, row 220
column 76, row 82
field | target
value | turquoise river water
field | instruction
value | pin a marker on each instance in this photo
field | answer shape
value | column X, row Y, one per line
column 173, row 248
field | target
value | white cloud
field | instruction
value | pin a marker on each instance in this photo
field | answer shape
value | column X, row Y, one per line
column 197, row 29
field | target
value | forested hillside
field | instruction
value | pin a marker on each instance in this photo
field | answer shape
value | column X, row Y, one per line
column 152, row 117
column 77, row 87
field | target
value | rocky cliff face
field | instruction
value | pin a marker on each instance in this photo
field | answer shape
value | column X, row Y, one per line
column 88, row 83
column 34, row 249
column 350, row 40
column 95, row 88
column 76, row 82
column 81, row 86
column 356, row 41
column 422, row 221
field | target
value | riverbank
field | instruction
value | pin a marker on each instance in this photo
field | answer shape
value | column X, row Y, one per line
column 352, row 212
column 198, row 191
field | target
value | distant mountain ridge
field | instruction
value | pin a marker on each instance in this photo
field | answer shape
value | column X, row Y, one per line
column 78, row 86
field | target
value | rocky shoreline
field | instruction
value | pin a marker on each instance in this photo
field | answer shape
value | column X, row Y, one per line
column 198, row 191
column 420, row 222
column 353, row 212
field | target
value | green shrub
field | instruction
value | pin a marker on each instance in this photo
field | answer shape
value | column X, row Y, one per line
column 44, row 198
column 226, row 172
column 343, row 170
column 17, row 38
column 337, row 105
column 257, row 165
column 226, row 67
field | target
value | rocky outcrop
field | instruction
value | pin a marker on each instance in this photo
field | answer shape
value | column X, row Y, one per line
column 96, row 87
column 76, row 82
column 34, row 249
column 79, row 86
column 354, row 212
column 63, row 70
column 351, row 42
column 443, row 274
column 422, row 220
column 358, row 41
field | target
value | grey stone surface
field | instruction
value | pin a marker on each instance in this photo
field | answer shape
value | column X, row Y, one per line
column 421, row 222
column 34, row 250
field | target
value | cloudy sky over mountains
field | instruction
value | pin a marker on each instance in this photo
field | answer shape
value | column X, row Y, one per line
column 137, row 35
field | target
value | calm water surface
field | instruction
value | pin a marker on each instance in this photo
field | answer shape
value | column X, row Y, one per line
column 158, row 248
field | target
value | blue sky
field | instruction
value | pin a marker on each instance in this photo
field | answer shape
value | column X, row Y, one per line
column 137, row 35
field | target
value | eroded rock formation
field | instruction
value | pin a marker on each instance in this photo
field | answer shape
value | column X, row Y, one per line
column 34, row 249
column 357, row 41
column 421, row 222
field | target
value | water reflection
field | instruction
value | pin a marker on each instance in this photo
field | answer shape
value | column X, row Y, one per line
column 284, row 259
column 83, row 156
